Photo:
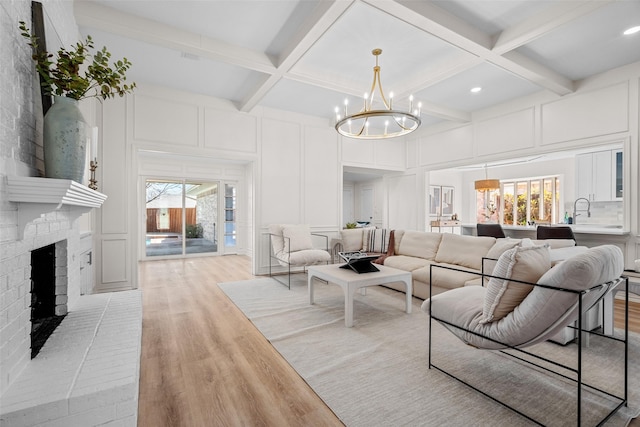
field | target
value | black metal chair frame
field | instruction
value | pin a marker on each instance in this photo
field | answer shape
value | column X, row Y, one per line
column 272, row 256
column 577, row 372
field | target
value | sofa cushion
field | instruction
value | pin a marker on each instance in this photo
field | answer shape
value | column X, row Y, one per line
column 525, row 264
column 307, row 257
column 277, row 240
column 555, row 243
column 443, row 277
column 377, row 240
column 465, row 251
column 352, row 239
column 297, row 238
column 421, row 244
column 397, row 235
column 406, row 263
column 561, row 254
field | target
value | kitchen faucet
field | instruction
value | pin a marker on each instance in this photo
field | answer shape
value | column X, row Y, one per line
column 575, row 210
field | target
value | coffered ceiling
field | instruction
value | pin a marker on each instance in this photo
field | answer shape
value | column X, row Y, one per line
column 307, row 56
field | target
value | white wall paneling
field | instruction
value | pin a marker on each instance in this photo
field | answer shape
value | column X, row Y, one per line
column 321, row 177
column 281, row 172
column 160, row 120
column 357, row 153
column 391, row 153
column 403, row 202
column 455, row 144
column 412, row 158
column 114, row 162
column 511, row 132
column 231, row 131
column 586, row 115
column 115, row 262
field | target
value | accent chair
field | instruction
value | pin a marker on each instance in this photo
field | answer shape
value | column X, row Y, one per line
column 292, row 246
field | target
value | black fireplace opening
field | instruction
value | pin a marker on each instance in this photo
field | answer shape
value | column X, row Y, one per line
column 43, row 297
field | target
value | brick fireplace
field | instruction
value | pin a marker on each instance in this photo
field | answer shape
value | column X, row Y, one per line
column 87, row 372
column 45, row 212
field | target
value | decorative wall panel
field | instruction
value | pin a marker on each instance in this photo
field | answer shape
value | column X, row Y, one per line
column 590, row 114
column 114, row 261
column 280, row 184
column 355, row 152
column 321, row 177
column 159, row 120
column 232, row 131
column 455, row 144
column 511, row 132
column 391, row 153
column 112, row 171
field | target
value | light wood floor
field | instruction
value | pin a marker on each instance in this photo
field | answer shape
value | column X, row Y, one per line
column 204, row 364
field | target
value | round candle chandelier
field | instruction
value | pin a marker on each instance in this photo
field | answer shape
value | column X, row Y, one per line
column 377, row 119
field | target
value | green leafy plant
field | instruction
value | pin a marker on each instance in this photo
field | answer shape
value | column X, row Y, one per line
column 62, row 75
column 194, row 231
column 351, row 225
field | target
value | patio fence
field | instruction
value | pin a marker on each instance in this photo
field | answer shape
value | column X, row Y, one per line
column 175, row 219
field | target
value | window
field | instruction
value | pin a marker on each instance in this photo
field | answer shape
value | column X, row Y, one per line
column 230, row 230
column 521, row 202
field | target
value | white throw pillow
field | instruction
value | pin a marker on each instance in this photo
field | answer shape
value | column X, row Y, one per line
column 297, row 238
column 525, row 264
column 352, row 239
column 501, row 245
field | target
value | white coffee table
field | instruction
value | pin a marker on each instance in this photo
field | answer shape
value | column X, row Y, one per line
column 351, row 281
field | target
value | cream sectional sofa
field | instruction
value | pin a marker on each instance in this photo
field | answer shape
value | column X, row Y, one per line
column 415, row 251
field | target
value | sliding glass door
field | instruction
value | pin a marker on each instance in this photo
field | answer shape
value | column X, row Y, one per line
column 181, row 217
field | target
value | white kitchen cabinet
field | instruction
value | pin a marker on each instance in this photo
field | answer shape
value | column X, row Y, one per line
column 595, row 176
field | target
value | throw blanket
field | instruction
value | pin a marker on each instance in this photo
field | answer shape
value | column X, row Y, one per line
column 390, row 249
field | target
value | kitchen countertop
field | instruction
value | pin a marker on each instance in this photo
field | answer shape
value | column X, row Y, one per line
column 577, row 228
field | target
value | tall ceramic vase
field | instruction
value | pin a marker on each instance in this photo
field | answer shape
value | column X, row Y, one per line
column 65, row 140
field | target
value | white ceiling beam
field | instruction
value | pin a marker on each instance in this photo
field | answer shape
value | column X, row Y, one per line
column 550, row 19
column 528, row 69
column 430, row 18
column 324, row 16
column 107, row 19
column 438, row 22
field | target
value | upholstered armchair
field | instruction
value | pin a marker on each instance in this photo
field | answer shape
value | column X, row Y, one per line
column 525, row 302
column 293, row 246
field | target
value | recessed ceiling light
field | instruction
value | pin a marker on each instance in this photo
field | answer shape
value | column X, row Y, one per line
column 476, row 89
column 632, row 30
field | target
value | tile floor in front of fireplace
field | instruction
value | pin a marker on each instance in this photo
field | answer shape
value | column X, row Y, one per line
column 88, row 370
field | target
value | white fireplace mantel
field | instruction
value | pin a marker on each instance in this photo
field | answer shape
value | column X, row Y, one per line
column 39, row 196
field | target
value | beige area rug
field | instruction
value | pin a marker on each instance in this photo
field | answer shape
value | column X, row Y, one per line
column 376, row 373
